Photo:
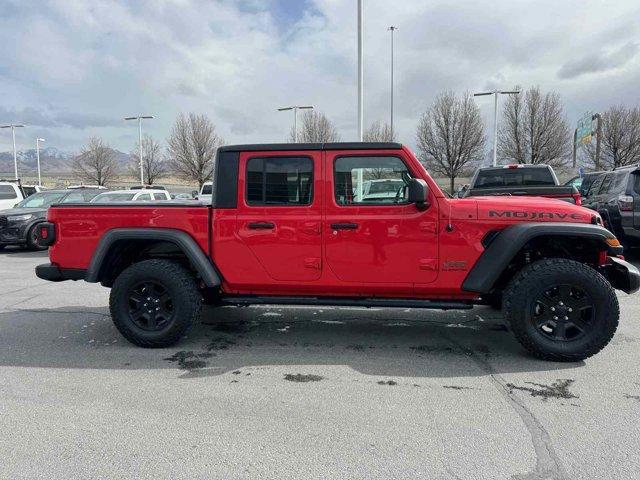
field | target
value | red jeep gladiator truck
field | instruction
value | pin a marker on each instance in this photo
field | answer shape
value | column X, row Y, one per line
column 287, row 225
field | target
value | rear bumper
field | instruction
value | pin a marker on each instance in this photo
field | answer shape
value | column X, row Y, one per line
column 53, row 273
column 622, row 275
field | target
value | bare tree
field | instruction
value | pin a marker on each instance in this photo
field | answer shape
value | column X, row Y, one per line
column 95, row 163
column 192, row 147
column 450, row 135
column 620, row 143
column 379, row 132
column 315, row 128
column 154, row 166
column 533, row 129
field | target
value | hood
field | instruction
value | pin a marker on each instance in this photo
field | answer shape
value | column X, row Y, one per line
column 524, row 209
column 38, row 212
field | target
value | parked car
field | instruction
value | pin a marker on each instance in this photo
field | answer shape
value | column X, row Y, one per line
column 183, row 196
column 131, row 195
column 521, row 180
column 583, row 183
column 18, row 225
column 615, row 196
column 31, row 189
column 285, row 228
column 10, row 193
column 205, row 192
column 379, row 190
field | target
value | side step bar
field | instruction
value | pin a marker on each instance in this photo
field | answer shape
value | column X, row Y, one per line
column 247, row 300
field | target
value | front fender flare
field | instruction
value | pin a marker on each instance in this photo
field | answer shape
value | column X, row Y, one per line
column 504, row 247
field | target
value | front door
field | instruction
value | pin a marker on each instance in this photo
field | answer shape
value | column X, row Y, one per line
column 372, row 234
column 280, row 211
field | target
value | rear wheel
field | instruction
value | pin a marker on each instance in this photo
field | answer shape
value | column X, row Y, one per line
column 33, row 242
column 154, row 302
column 561, row 310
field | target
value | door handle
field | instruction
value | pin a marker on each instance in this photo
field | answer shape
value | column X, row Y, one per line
column 261, row 226
column 344, row 226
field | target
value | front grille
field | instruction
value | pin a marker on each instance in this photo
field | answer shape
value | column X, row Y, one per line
column 3, row 221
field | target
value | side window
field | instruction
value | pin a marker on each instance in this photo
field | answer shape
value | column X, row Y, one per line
column 606, row 183
column 143, row 197
column 636, row 182
column 7, row 192
column 159, row 196
column 595, row 186
column 279, row 181
column 74, row 197
column 370, row 180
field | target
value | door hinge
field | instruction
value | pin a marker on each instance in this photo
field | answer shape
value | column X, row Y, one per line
column 428, row 264
column 313, row 262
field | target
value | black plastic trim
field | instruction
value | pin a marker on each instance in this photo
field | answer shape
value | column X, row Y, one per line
column 189, row 247
column 506, row 245
column 622, row 275
column 225, row 190
column 346, row 302
column 267, row 147
column 53, row 273
column 51, row 233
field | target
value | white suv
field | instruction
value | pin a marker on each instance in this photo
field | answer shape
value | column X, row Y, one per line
column 131, row 195
column 10, row 194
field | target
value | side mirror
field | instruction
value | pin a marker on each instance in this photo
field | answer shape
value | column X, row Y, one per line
column 418, row 193
column 194, row 193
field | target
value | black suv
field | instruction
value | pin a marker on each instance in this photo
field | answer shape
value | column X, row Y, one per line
column 18, row 224
column 616, row 196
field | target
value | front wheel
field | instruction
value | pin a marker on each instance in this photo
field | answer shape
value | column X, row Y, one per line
column 154, row 302
column 561, row 310
column 33, row 242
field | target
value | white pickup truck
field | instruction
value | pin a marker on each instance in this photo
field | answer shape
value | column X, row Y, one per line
column 10, row 194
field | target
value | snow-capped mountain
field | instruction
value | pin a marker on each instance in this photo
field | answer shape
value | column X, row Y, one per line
column 51, row 160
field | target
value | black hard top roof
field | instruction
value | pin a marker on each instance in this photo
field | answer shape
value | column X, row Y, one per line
column 264, row 147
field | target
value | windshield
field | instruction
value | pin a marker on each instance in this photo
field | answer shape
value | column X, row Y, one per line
column 113, row 197
column 513, row 177
column 40, row 200
column 206, row 190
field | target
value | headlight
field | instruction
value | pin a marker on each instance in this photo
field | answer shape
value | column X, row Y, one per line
column 20, row 218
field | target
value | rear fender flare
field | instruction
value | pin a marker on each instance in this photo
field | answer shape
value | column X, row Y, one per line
column 200, row 261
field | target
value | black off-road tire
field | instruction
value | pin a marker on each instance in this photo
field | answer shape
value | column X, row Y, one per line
column 32, row 239
column 180, row 286
column 530, row 283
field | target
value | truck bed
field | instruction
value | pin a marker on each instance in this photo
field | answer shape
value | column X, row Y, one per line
column 80, row 226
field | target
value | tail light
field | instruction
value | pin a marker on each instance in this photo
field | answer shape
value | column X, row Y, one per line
column 625, row 203
column 46, row 233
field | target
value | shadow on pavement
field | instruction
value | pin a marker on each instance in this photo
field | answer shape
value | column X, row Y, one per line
column 20, row 252
column 403, row 343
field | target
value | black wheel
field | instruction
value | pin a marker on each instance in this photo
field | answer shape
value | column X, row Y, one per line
column 154, row 302
column 33, row 243
column 561, row 310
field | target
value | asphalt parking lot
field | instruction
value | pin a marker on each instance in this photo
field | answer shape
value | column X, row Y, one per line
column 310, row 393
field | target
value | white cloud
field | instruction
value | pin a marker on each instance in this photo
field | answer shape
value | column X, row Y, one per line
column 70, row 63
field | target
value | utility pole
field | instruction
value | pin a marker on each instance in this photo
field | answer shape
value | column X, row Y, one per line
column 295, row 109
column 575, row 147
column 38, row 140
column 139, row 118
column 495, row 94
column 392, row 29
column 13, row 127
column 360, row 76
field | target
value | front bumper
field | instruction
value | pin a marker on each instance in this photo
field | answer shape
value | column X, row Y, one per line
column 14, row 233
column 53, row 273
column 622, row 275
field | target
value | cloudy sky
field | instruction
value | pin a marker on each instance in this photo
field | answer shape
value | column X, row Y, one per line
column 72, row 69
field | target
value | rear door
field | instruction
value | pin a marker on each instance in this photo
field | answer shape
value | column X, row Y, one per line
column 635, row 181
column 377, row 238
column 279, row 212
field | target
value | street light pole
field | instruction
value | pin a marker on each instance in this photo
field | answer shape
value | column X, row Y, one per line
column 38, row 140
column 392, row 29
column 495, row 94
column 295, row 109
column 360, row 76
column 13, row 127
column 139, row 118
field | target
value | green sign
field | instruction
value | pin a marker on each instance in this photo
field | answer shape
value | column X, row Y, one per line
column 584, row 129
